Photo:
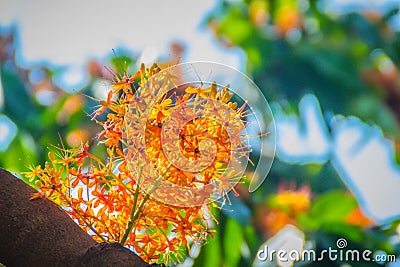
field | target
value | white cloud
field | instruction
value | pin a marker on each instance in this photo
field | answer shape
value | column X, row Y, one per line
column 66, row 33
column 364, row 159
column 304, row 139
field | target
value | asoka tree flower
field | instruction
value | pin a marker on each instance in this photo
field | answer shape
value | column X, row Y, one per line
column 284, row 207
column 112, row 198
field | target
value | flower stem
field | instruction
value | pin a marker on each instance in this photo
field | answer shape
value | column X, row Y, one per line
column 136, row 212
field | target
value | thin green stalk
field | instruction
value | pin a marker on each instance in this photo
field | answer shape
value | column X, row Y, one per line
column 135, row 198
column 136, row 212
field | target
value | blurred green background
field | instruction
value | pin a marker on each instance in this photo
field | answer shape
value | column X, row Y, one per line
column 331, row 76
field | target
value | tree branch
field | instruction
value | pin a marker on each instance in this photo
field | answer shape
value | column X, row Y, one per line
column 39, row 233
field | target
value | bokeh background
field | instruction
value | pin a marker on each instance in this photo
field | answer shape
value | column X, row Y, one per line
column 329, row 69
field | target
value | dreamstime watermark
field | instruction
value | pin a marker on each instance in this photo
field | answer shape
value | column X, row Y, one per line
column 339, row 253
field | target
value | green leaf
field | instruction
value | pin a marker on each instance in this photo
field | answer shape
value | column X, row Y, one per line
column 210, row 254
column 17, row 100
column 232, row 243
column 235, row 27
column 332, row 207
column 351, row 232
column 329, row 212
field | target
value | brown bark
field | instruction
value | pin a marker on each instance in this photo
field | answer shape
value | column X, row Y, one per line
column 39, row 233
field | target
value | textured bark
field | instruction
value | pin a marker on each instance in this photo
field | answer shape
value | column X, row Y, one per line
column 39, row 233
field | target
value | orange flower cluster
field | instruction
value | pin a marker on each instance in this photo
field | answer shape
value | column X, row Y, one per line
column 197, row 140
column 284, row 207
column 106, row 197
